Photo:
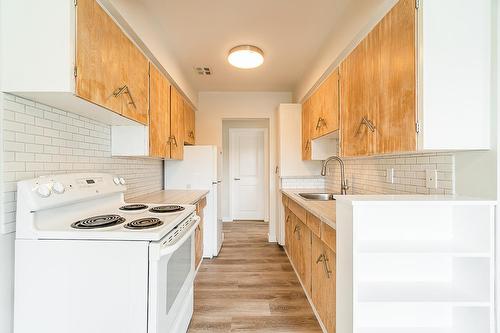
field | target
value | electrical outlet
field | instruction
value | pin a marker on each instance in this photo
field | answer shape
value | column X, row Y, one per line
column 431, row 178
column 389, row 176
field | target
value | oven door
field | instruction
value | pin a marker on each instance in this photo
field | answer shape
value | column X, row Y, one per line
column 171, row 275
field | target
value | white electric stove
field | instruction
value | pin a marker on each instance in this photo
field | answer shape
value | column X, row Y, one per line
column 86, row 261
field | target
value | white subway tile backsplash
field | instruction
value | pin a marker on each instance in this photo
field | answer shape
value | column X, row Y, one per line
column 306, row 182
column 367, row 175
column 41, row 140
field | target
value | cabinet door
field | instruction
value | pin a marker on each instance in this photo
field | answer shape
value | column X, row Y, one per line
column 106, row 61
column 306, row 134
column 316, row 113
column 198, row 249
column 189, row 133
column 302, row 253
column 176, row 124
column 288, row 231
column 359, row 97
column 330, row 112
column 159, row 114
column 396, row 116
column 323, row 282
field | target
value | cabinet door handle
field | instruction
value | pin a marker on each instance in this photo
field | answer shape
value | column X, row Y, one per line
column 191, row 134
column 287, row 219
column 296, row 231
column 124, row 90
column 172, row 140
column 307, row 145
column 324, row 259
column 318, row 124
column 368, row 123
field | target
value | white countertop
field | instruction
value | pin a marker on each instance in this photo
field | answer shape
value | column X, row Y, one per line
column 410, row 199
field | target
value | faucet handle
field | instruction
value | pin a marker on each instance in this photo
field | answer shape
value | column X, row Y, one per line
column 346, row 186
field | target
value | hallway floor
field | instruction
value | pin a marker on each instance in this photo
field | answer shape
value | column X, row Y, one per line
column 250, row 287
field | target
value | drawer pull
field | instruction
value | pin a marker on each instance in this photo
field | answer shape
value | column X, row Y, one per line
column 324, row 259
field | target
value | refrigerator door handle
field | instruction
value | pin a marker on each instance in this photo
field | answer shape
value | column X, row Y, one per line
column 217, row 182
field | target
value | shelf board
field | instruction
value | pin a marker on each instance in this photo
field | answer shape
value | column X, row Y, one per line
column 404, row 329
column 431, row 292
column 444, row 247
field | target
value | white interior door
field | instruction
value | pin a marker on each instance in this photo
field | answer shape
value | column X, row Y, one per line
column 246, row 160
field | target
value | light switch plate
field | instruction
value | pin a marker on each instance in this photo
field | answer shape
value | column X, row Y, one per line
column 431, row 178
column 390, row 176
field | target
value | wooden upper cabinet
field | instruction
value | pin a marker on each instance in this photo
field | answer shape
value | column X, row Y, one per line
column 396, row 116
column 359, row 97
column 159, row 114
column 189, row 124
column 306, row 131
column 330, row 111
column 111, row 70
column 378, row 88
column 315, row 114
column 325, row 107
column 323, row 283
column 176, row 124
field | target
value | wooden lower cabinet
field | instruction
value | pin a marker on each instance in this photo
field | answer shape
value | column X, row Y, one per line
column 311, row 247
column 289, row 218
column 301, row 252
column 323, row 282
column 198, row 233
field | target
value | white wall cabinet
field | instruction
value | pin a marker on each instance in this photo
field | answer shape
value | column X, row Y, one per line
column 415, row 264
column 289, row 143
column 38, row 52
column 454, row 74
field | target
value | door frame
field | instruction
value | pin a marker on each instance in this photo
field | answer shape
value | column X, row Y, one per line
column 266, row 175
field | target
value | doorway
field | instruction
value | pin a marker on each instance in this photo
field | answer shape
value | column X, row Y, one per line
column 246, row 165
column 246, row 173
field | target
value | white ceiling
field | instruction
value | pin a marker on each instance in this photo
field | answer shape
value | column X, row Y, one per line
column 290, row 32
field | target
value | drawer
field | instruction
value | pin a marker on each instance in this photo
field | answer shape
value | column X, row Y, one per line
column 285, row 200
column 329, row 236
column 314, row 224
column 297, row 210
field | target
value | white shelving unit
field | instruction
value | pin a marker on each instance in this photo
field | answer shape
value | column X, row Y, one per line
column 415, row 264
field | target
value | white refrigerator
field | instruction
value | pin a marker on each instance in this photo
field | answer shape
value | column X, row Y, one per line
column 201, row 170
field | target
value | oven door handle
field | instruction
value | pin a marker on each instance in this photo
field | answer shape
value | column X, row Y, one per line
column 178, row 243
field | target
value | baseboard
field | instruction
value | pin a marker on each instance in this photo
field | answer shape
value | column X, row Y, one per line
column 227, row 219
column 316, row 314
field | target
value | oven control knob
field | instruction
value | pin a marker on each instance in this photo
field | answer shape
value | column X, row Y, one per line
column 43, row 191
column 116, row 180
column 122, row 181
column 58, row 188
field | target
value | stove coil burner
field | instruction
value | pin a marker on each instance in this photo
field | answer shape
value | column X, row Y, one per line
column 145, row 223
column 133, row 207
column 100, row 221
column 167, row 209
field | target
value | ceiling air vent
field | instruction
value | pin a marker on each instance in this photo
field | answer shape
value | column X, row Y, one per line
column 203, row 70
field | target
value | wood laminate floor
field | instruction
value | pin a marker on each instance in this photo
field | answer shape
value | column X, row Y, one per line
column 250, row 287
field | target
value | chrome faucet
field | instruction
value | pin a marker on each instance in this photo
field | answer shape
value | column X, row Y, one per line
column 343, row 182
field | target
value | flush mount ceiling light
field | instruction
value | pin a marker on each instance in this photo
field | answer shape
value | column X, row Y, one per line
column 245, row 56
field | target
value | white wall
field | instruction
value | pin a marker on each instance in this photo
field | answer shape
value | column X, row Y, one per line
column 213, row 107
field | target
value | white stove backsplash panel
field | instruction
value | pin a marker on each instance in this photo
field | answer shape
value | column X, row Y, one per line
column 40, row 140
